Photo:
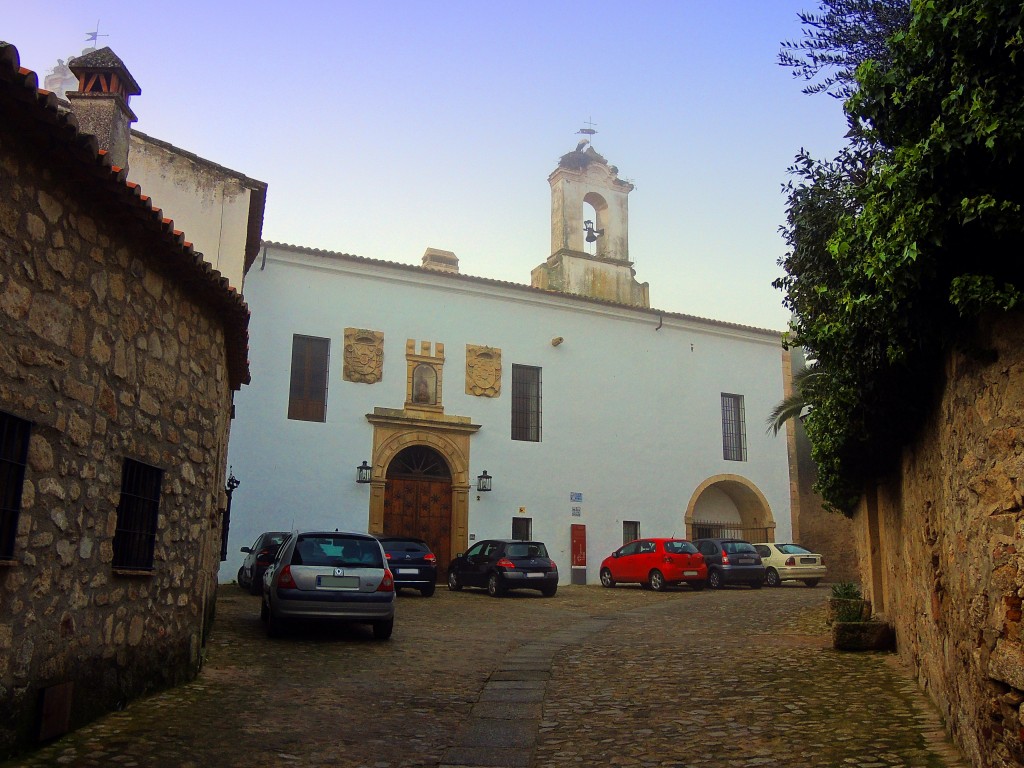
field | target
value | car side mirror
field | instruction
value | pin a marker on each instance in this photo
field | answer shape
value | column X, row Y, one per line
column 246, row 550
column 458, row 554
column 615, row 554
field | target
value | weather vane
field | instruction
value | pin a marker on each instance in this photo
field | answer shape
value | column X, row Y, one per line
column 94, row 37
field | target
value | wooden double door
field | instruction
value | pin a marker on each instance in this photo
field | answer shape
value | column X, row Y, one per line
column 421, row 508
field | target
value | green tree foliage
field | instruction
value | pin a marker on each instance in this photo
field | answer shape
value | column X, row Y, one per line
column 838, row 38
column 898, row 245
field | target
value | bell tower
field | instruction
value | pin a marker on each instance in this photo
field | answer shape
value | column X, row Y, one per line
column 590, row 208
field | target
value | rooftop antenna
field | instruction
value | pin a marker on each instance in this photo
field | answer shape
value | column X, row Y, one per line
column 93, row 37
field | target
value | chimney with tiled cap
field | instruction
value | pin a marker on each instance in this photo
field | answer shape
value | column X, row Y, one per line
column 442, row 261
column 101, row 102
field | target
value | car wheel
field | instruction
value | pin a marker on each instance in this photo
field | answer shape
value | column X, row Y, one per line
column 241, row 580
column 428, row 591
column 255, row 587
column 811, row 582
column 453, row 581
column 382, row 629
column 606, row 578
column 697, row 585
column 715, row 580
column 275, row 626
column 549, row 591
column 771, row 578
column 494, row 586
column 757, row 584
column 657, row 581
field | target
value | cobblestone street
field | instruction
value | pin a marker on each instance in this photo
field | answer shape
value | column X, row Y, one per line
column 591, row 677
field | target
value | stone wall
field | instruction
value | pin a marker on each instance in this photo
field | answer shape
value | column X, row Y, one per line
column 829, row 533
column 109, row 359
column 942, row 547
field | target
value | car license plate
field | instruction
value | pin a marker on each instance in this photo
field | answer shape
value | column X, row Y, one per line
column 745, row 560
column 413, row 571
column 337, row 582
column 689, row 573
column 534, row 575
column 807, row 561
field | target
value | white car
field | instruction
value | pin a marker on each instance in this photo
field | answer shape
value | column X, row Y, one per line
column 790, row 562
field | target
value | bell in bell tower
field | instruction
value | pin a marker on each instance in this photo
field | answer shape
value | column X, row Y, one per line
column 590, row 231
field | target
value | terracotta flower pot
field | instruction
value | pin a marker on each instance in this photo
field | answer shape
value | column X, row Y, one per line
column 863, row 636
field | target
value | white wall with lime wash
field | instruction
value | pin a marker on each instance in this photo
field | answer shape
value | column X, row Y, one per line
column 631, row 412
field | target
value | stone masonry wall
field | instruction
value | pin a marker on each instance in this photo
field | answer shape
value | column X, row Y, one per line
column 108, row 359
column 946, row 555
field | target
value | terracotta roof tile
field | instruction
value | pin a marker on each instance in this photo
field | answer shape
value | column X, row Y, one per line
column 568, row 297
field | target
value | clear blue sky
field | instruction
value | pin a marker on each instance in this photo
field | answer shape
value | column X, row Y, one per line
column 385, row 128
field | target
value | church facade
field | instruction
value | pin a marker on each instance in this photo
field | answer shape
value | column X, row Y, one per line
column 566, row 410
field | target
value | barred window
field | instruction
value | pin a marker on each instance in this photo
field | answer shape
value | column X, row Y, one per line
column 526, row 410
column 137, row 514
column 522, row 528
column 734, row 432
column 14, row 434
column 630, row 531
column 307, row 396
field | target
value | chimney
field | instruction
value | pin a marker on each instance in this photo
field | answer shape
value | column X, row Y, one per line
column 101, row 102
column 442, row 261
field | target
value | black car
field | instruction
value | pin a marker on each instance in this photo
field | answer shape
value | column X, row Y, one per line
column 499, row 565
column 731, row 561
column 411, row 562
column 258, row 557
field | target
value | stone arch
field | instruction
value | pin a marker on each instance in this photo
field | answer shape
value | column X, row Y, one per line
column 755, row 512
column 389, row 440
column 601, row 220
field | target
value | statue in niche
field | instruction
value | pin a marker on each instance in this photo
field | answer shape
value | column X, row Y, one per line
column 424, row 385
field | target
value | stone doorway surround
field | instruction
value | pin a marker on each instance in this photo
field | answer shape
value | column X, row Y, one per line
column 393, row 431
column 755, row 512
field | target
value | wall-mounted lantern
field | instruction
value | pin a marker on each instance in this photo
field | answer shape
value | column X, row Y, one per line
column 483, row 482
column 363, row 472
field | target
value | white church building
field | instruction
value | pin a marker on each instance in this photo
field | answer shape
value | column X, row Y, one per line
column 416, row 400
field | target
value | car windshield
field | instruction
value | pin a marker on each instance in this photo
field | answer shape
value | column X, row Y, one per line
column 337, row 551
column 679, row 547
column 792, row 549
column 738, row 547
column 526, row 549
column 404, row 545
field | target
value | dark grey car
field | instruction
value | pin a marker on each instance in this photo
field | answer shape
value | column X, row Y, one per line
column 731, row 561
column 499, row 565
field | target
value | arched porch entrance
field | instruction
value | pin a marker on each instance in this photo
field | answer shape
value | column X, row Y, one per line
column 408, row 456
column 418, row 500
column 729, row 506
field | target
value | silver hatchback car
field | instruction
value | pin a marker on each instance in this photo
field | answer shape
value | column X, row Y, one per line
column 329, row 575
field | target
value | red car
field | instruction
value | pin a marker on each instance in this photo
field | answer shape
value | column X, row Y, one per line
column 655, row 563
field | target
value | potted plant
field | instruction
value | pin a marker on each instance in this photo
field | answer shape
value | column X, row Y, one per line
column 852, row 626
column 847, row 604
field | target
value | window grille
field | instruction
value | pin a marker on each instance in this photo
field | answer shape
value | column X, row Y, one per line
column 630, row 531
column 526, row 403
column 307, row 396
column 734, row 433
column 14, row 434
column 137, row 514
column 522, row 528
